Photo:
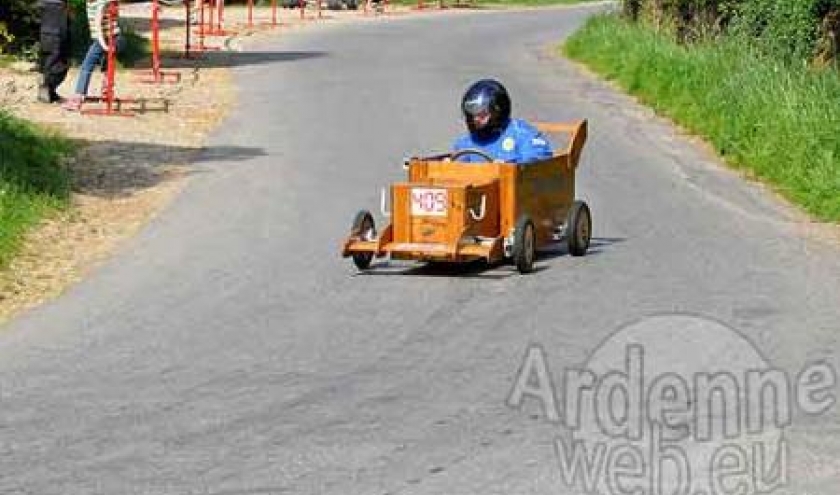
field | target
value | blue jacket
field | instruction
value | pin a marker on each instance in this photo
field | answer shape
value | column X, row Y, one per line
column 520, row 142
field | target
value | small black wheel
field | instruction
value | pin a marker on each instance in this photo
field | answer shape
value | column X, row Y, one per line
column 578, row 228
column 524, row 244
column 364, row 229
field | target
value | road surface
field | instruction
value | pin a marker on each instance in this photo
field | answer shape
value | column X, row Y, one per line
column 228, row 349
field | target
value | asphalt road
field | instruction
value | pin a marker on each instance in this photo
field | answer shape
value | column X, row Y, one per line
column 228, row 349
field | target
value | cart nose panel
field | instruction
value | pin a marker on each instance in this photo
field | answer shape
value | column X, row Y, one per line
column 426, row 213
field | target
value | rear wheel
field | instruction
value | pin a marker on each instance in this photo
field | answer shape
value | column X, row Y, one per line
column 364, row 229
column 578, row 228
column 524, row 245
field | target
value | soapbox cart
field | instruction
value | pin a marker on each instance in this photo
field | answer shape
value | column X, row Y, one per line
column 453, row 211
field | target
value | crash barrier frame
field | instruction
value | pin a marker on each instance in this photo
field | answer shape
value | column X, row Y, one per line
column 252, row 23
column 252, row 20
column 274, row 17
column 421, row 5
column 441, row 5
column 318, row 11
column 156, row 75
column 112, row 104
column 201, row 30
column 381, row 7
column 218, row 29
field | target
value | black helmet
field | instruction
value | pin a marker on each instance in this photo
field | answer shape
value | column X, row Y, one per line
column 486, row 95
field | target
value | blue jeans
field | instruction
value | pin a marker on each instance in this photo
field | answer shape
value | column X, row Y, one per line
column 95, row 56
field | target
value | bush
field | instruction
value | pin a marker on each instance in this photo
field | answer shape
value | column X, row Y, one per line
column 794, row 31
column 79, row 32
column 19, row 28
column 779, row 123
column 786, row 29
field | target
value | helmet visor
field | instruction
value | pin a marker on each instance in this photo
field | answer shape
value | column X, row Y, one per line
column 478, row 105
column 477, row 110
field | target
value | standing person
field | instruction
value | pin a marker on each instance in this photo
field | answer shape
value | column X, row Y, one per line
column 486, row 108
column 55, row 48
column 100, row 35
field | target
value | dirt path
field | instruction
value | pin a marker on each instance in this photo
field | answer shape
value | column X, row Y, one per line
column 129, row 168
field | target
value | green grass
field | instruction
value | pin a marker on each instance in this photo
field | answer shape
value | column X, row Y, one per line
column 33, row 179
column 779, row 123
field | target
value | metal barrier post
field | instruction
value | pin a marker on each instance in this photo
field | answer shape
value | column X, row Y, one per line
column 273, row 23
column 108, row 97
column 157, row 75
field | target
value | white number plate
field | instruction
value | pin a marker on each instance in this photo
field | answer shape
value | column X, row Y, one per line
column 429, row 202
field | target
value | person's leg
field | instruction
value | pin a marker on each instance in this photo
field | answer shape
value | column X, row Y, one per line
column 119, row 44
column 92, row 59
column 55, row 66
column 45, row 57
column 63, row 66
column 53, row 26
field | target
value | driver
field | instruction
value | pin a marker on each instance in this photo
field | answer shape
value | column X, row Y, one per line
column 486, row 108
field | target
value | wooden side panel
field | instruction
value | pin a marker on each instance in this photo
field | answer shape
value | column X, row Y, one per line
column 429, row 229
column 401, row 212
column 424, row 229
column 508, row 208
column 418, row 170
column 577, row 132
column 463, row 172
column 545, row 191
column 488, row 225
column 457, row 217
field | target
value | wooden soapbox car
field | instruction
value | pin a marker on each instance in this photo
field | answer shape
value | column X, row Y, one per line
column 453, row 211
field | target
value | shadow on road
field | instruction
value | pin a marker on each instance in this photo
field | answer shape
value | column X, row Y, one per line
column 481, row 269
column 474, row 269
column 122, row 168
column 597, row 245
column 222, row 58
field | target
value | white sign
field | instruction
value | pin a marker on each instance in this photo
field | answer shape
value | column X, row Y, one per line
column 429, row 202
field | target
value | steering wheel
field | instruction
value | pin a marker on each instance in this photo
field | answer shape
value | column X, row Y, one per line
column 471, row 151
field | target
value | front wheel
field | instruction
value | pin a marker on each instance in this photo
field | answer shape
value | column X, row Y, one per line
column 364, row 229
column 524, row 244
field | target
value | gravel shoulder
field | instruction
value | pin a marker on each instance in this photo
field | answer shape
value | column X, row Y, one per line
column 129, row 168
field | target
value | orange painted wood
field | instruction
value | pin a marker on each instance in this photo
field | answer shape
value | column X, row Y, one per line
column 543, row 190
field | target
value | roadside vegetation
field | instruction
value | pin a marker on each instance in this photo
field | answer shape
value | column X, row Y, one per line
column 33, row 179
column 19, row 26
column 759, row 81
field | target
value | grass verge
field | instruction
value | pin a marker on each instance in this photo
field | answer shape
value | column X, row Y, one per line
column 775, row 122
column 33, row 179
